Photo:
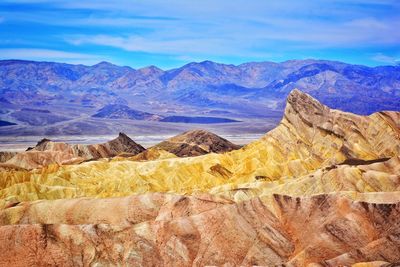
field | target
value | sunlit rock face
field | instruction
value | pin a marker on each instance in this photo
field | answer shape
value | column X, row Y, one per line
column 321, row 189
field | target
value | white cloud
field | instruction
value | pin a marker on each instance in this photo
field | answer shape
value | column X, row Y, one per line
column 50, row 55
column 248, row 37
column 187, row 49
column 155, row 44
column 386, row 59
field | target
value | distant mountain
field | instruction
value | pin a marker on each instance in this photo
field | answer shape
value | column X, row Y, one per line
column 124, row 112
column 37, row 117
column 6, row 123
column 243, row 92
column 116, row 111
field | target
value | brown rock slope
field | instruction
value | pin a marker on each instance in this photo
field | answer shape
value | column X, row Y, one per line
column 47, row 152
column 166, row 230
column 195, row 143
column 6, row 155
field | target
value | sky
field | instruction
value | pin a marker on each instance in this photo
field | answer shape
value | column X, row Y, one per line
column 172, row 33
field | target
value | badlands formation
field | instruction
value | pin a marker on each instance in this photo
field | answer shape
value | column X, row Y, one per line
column 47, row 152
column 321, row 189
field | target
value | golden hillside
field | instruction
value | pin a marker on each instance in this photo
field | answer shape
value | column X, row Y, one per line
column 309, row 137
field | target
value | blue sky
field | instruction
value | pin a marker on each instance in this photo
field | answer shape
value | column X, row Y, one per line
column 171, row 33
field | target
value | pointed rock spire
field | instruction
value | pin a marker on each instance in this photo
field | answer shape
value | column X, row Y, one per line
column 305, row 104
column 303, row 107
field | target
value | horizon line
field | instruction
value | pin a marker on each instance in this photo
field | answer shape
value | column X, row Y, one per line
column 197, row 62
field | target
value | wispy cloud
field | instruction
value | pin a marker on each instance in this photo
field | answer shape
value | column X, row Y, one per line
column 49, row 55
column 386, row 59
column 136, row 43
column 247, row 36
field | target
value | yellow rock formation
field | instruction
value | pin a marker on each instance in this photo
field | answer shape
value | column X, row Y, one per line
column 310, row 136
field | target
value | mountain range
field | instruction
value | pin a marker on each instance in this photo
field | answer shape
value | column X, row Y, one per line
column 56, row 98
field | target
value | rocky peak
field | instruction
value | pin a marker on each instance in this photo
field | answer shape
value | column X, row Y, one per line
column 44, row 140
column 122, row 137
column 197, row 142
column 40, row 145
column 300, row 102
column 197, row 137
column 349, row 134
column 104, row 64
column 151, row 70
column 301, row 108
column 124, row 143
column 193, row 135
